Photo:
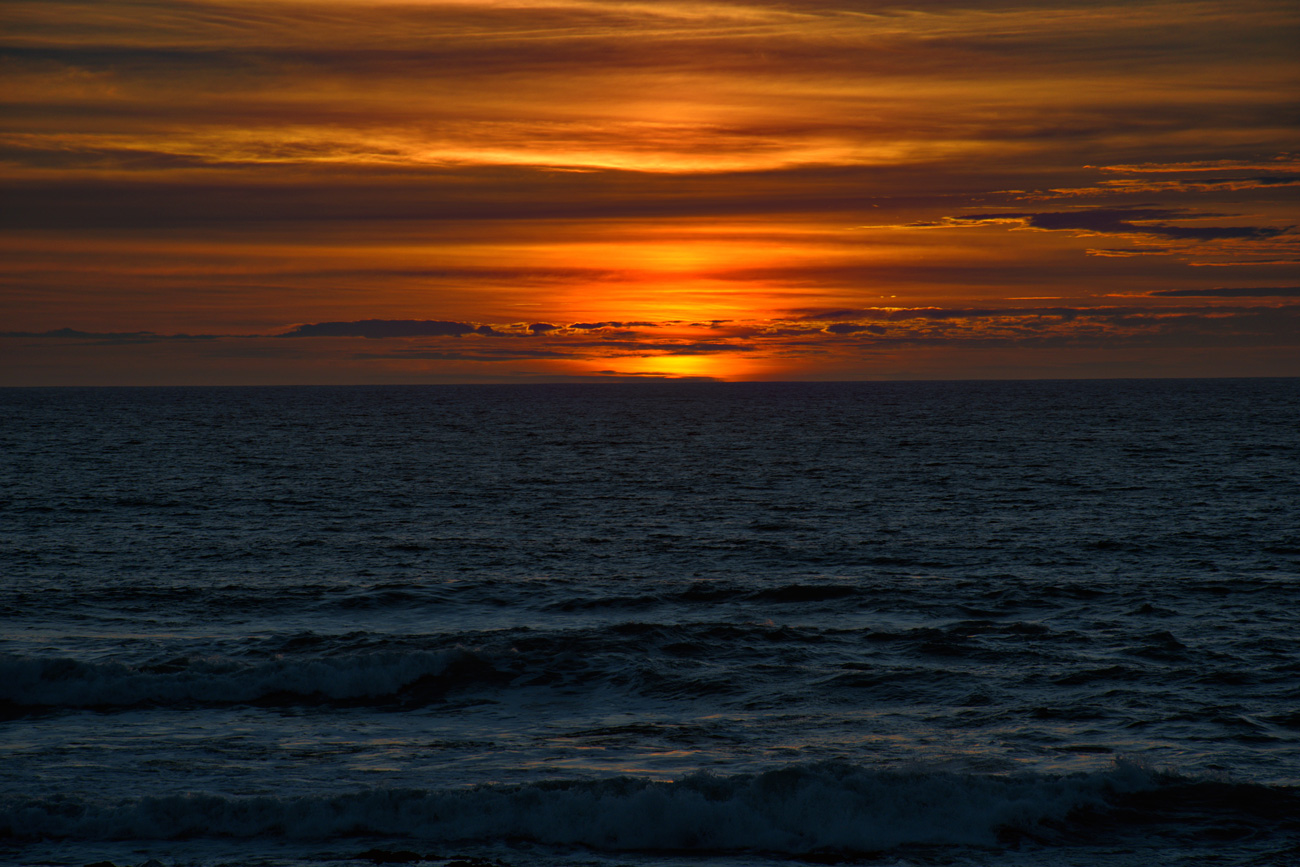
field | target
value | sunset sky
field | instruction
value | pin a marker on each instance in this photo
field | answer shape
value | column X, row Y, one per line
column 339, row 191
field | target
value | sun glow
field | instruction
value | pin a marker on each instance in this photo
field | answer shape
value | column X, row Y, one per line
column 713, row 365
column 698, row 272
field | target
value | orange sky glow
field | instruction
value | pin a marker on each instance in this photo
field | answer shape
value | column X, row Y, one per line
column 339, row 191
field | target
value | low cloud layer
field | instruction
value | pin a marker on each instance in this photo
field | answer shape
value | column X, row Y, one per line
column 380, row 328
column 1125, row 221
column 106, row 336
column 809, row 331
column 1230, row 292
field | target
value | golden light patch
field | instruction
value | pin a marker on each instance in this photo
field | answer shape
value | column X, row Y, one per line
column 724, row 365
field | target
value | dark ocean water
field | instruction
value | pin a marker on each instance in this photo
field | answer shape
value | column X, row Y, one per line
column 652, row 624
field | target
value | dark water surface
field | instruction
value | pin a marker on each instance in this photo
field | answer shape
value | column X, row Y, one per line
column 652, row 624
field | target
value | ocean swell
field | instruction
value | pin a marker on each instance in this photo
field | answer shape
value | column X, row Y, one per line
column 27, row 682
column 797, row 809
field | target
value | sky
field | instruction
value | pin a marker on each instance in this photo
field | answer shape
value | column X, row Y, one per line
column 423, row 191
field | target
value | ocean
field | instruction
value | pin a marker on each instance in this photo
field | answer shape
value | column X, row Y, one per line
column 652, row 624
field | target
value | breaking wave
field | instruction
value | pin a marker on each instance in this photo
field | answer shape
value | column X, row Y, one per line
column 797, row 809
